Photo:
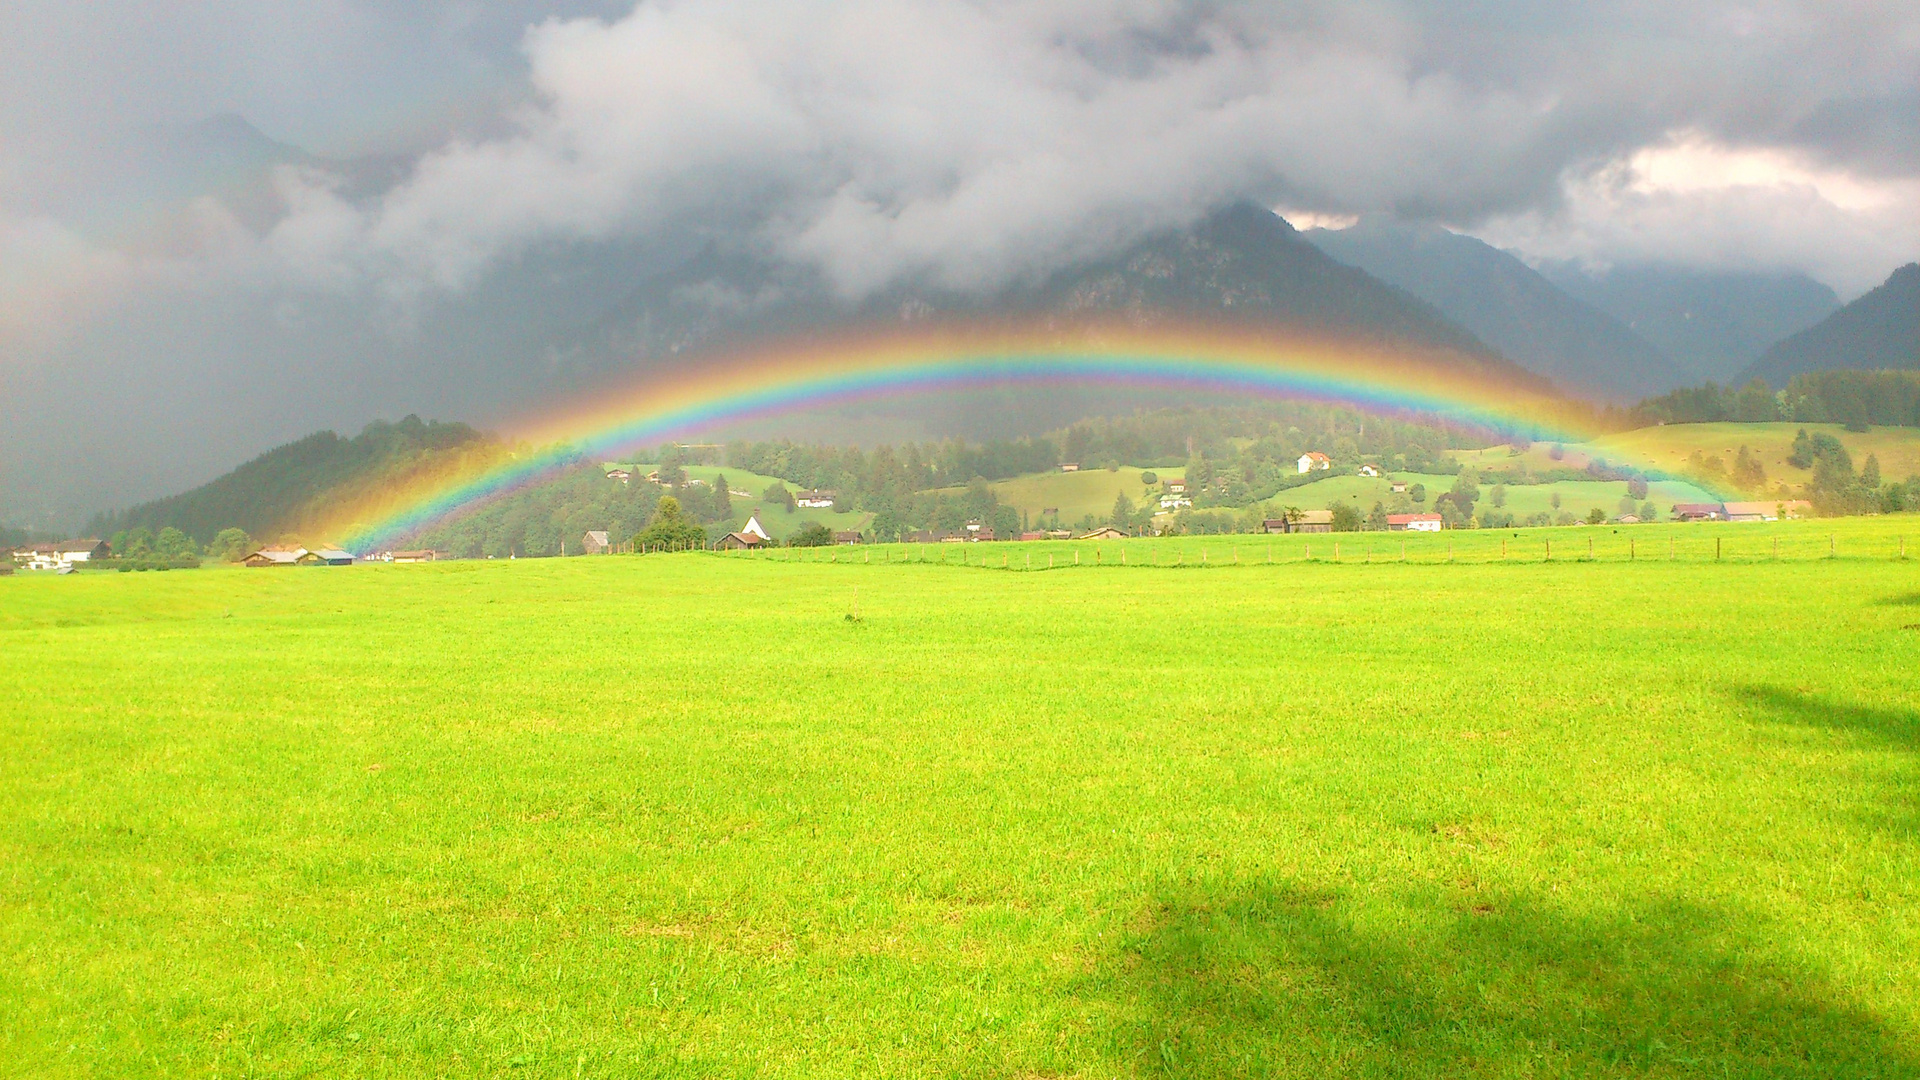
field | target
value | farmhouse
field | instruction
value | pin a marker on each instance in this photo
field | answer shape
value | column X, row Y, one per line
column 1699, row 512
column 1313, row 461
column 1398, row 487
column 741, row 541
column 596, row 542
column 754, row 528
column 326, row 557
column 1369, row 470
column 848, row 536
column 622, row 475
column 1105, row 532
column 1033, row 536
column 415, row 556
column 274, row 556
column 64, row 554
column 1413, row 523
column 820, row 499
column 1176, row 487
column 1766, row 510
column 1175, row 502
column 1069, row 466
column 1307, row 521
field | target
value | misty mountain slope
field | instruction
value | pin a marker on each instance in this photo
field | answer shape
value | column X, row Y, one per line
column 1240, row 265
column 1509, row 306
column 1712, row 323
column 305, row 483
column 1879, row 330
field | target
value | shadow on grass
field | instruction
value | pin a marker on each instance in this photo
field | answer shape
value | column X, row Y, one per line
column 1271, row 982
column 1898, row 804
column 1911, row 599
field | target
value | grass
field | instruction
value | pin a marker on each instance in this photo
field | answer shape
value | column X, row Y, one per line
column 1075, row 494
column 1668, row 448
column 679, row 816
column 777, row 520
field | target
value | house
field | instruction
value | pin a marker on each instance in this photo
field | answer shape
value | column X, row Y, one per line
column 974, row 531
column 1699, row 512
column 1313, row 461
column 413, row 556
column 1766, row 510
column 325, row 557
column 1033, row 536
column 1105, row 532
column 741, row 541
column 274, row 556
column 1369, row 470
column 1398, row 487
column 596, row 542
column 1627, row 519
column 61, row 556
column 1176, row 487
column 1414, row 523
column 1069, row 466
column 929, row 536
column 849, row 536
column 819, row 499
column 754, row 528
column 1175, row 502
column 622, row 475
column 1308, row 521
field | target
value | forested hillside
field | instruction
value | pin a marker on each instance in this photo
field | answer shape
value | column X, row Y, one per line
column 1879, row 330
column 307, row 484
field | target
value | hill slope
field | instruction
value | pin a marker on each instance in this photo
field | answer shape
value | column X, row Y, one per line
column 305, row 484
column 1879, row 330
column 1713, row 324
column 1508, row 305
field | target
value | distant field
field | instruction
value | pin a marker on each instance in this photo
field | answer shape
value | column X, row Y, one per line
column 1668, row 448
column 1076, row 494
column 680, row 816
column 778, row 522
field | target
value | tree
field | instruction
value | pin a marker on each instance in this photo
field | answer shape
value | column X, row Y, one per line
column 1870, row 472
column 1122, row 511
column 722, row 499
column 1497, row 495
column 1649, row 512
column 1377, row 518
column 812, row 534
column 1418, row 493
column 174, row 544
column 670, row 529
column 1553, row 500
column 1596, row 516
column 778, row 495
column 672, row 475
column 1637, row 487
column 1149, row 478
column 1345, row 518
column 136, row 543
column 230, row 545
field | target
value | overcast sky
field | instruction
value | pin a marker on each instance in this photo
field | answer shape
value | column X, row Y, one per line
column 969, row 144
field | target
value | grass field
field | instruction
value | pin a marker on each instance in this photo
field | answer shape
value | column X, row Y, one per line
column 1075, row 494
column 679, row 816
column 778, row 521
column 1668, row 448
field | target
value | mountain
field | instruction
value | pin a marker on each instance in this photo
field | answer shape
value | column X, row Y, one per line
column 1879, row 330
column 304, row 485
column 1509, row 306
column 1243, row 264
column 1712, row 323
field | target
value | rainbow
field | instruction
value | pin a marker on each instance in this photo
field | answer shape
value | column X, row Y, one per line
column 789, row 376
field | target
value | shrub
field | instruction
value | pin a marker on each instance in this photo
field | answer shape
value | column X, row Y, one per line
column 812, row 534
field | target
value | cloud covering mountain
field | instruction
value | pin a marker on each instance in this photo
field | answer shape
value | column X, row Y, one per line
column 447, row 147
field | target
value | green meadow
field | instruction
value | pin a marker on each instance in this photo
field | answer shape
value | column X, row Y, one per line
column 1646, row 804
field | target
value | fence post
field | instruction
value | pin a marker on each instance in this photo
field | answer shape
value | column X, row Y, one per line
column 1029, row 560
column 1629, row 549
column 1549, row 549
column 1589, row 549
column 1830, row 551
column 1716, row 549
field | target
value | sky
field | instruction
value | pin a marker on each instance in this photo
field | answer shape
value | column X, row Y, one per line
column 429, row 148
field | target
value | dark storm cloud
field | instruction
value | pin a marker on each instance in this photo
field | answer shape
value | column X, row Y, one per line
column 965, row 144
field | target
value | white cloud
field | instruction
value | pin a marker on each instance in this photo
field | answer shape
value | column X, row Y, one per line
column 1696, row 201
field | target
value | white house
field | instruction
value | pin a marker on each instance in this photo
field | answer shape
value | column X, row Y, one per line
column 1314, row 460
column 1369, row 470
column 1413, row 522
column 754, row 528
column 822, row 499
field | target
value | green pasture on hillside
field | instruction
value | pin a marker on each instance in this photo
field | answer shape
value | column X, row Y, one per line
column 1472, row 814
column 1076, row 494
column 1668, row 447
column 777, row 520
